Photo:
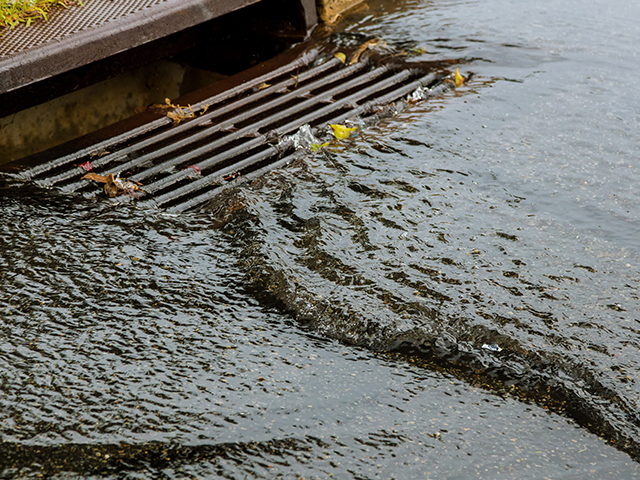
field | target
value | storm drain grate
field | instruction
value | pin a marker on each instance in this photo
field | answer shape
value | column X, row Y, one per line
column 238, row 134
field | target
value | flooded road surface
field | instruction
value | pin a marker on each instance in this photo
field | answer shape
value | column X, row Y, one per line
column 452, row 293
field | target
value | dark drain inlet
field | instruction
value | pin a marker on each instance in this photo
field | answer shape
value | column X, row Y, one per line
column 238, row 133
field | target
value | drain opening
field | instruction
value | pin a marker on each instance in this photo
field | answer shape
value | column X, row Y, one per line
column 238, row 134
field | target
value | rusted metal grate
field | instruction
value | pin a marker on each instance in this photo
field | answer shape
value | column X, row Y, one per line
column 239, row 133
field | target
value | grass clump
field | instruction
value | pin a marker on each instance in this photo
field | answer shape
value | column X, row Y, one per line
column 14, row 12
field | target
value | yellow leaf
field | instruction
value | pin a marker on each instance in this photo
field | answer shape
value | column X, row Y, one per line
column 341, row 56
column 459, row 79
column 263, row 86
column 317, row 146
column 341, row 132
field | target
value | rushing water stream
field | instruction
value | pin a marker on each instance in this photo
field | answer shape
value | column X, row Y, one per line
column 453, row 293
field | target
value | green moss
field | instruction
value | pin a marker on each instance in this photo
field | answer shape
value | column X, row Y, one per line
column 13, row 12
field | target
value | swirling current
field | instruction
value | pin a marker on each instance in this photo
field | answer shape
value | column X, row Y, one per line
column 451, row 293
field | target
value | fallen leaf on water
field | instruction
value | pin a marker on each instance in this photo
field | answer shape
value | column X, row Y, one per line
column 176, row 113
column 317, row 146
column 342, row 132
column 115, row 186
column 341, row 56
column 417, row 50
column 86, row 166
column 459, row 79
column 363, row 47
column 95, row 177
column 179, row 113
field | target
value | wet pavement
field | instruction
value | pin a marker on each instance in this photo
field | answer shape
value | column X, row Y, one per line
column 451, row 293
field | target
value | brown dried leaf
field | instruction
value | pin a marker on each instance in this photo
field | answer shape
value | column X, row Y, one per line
column 95, row 177
column 363, row 47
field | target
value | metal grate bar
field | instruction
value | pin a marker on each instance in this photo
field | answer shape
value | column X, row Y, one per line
column 350, row 101
column 291, row 126
column 226, row 125
column 207, row 196
column 185, row 127
column 215, row 177
column 395, row 95
column 221, row 174
column 254, row 128
column 236, row 105
column 210, row 162
column 74, row 157
column 244, row 132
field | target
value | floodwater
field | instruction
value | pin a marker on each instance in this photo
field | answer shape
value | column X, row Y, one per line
column 453, row 293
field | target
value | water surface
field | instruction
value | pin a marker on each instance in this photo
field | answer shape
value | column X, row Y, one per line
column 452, row 293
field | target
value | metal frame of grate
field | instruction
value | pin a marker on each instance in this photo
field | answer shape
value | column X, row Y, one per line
column 238, row 134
